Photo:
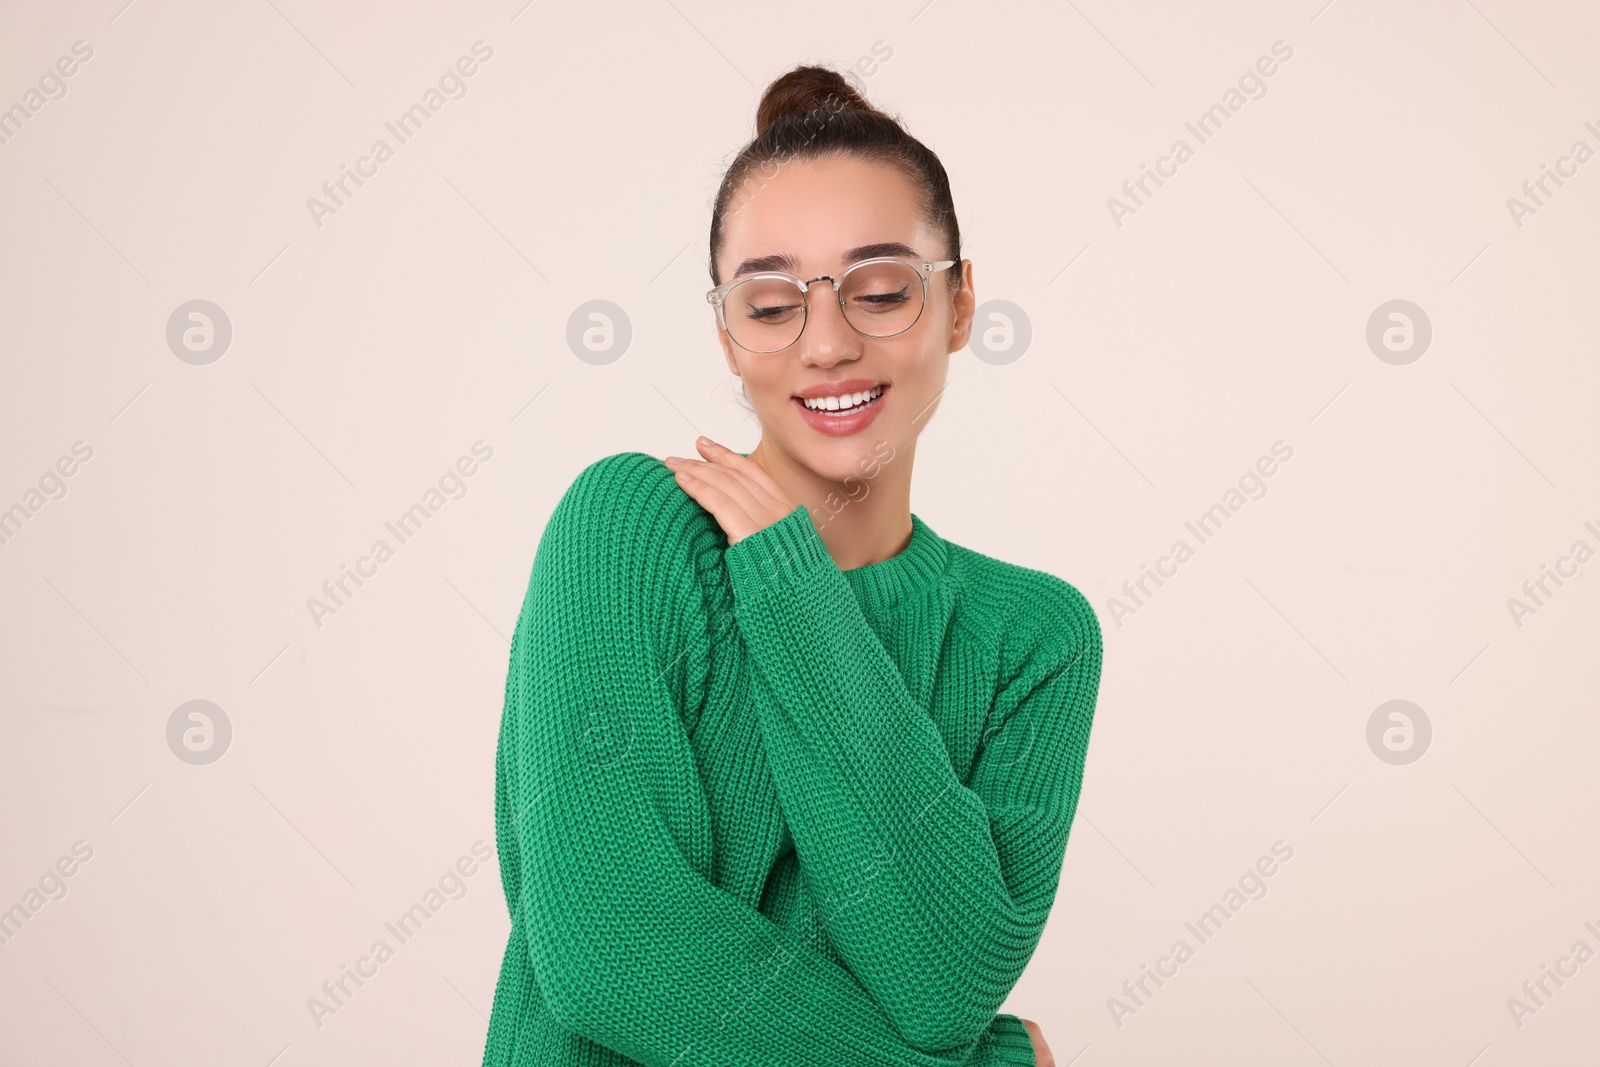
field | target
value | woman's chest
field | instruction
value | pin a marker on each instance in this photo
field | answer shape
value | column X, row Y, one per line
column 951, row 683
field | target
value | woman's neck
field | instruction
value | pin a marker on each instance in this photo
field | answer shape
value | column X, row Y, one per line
column 864, row 520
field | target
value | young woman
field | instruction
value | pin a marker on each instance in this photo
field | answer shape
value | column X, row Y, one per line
column 784, row 777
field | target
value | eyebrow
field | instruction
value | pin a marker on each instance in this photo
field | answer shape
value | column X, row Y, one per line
column 785, row 262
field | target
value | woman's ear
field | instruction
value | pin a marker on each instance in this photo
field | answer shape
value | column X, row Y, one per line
column 965, row 305
column 727, row 351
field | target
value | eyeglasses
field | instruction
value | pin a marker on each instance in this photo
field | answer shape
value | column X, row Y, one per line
column 881, row 297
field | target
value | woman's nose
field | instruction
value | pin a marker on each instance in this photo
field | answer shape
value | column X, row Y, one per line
column 828, row 337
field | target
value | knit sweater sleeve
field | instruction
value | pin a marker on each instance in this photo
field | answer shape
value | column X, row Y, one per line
column 631, row 944
column 946, row 883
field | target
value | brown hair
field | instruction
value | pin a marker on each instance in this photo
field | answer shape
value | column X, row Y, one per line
column 811, row 112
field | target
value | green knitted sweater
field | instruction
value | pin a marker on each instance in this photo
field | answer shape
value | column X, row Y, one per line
column 755, row 811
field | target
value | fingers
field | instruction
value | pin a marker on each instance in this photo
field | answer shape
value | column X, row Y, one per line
column 760, row 482
column 736, row 475
column 731, row 513
column 734, row 488
column 1042, row 1056
column 730, row 485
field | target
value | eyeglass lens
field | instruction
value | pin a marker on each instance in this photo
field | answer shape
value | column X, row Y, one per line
column 767, row 314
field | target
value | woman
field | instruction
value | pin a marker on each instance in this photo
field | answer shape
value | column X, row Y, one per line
column 784, row 777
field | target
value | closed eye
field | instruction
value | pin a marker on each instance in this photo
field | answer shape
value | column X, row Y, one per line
column 884, row 299
column 759, row 313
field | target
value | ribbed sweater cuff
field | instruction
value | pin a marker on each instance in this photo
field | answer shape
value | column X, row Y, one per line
column 785, row 549
column 1009, row 1042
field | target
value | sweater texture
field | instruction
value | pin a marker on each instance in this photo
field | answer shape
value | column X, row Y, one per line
column 755, row 811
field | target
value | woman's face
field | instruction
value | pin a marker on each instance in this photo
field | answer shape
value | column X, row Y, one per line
column 817, row 213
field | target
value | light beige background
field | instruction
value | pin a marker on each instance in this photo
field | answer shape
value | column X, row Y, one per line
column 1167, row 354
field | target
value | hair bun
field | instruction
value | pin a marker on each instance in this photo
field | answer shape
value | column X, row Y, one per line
column 805, row 90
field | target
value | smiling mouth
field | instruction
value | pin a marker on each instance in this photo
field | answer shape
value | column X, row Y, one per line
column 839, row 406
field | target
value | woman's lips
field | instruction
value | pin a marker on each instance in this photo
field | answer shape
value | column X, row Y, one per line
column 843, row 425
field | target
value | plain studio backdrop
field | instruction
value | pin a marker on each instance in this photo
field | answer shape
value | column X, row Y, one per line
column 1370, row 271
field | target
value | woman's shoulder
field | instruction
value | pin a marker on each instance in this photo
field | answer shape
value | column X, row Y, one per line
column 627, row 552
column 628, row 508
column 1023, row 607
column 622, row 473
column 631, row 491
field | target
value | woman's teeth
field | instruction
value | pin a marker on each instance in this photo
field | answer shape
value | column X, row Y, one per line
column 843, row 405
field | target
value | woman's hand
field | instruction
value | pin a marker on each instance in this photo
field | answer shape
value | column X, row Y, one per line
column 734, row 488
column 1042, row 1056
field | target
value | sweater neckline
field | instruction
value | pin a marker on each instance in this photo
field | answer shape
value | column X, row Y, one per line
column 886, row 583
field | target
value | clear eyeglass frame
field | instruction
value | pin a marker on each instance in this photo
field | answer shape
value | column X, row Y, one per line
column 925, row 269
